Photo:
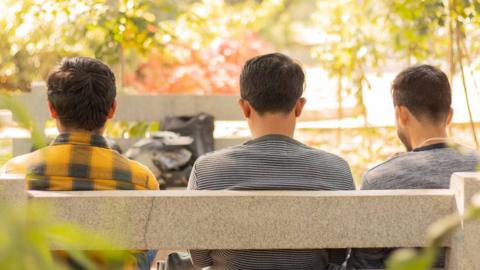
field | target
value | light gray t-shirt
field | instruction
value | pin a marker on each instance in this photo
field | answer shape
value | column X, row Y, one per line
column 271, row 162
column 429, row 167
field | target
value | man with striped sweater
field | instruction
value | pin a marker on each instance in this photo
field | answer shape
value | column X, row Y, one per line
column 271, row 100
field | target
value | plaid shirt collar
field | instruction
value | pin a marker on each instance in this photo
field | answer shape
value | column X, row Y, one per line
column 81, row 138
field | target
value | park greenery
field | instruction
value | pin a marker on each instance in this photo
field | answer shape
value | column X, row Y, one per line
column 411, row 259
column 350, row 38
column 187, row 46
column 198, row 47
column 30, row 233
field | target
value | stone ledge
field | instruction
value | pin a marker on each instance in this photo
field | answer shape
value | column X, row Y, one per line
column 255, row 219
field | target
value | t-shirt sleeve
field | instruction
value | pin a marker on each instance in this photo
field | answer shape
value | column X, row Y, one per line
column 371, row 182
column 192, row 181
column 201, row 258
column 346, row 172
column 365, row 183
column 350, row 179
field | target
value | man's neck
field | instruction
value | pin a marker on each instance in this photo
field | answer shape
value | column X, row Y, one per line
column 273, row 125
column 424, row 137
column 77, row 130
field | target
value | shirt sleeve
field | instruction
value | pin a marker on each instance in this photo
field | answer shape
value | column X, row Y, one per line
column 367, row 184
column 201, row 258
column 347, row 175
column 17, row 165
column 192, row 181
column 352, row 183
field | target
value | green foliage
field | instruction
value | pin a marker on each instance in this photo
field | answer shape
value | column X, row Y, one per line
column 409, row 259
column 28, row 236
column 130, row 25
column 352, row 45
column 128, row 129
column 415, row 28
column 37, row 34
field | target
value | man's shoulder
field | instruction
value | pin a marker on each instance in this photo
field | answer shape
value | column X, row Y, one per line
column 220, row 155
column 391, row 172
column 140, row 174
column 135, row 166
column 329, row 156
column 319, row 158
column 139, row 167
column 410, row 159
column 20, row 164
column 411, row 163
column 299, row 158
column 314, row 154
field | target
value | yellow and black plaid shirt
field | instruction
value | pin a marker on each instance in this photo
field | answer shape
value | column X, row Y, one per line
column 81, row 161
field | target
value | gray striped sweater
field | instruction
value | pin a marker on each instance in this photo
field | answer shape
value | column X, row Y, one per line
column 272, row 162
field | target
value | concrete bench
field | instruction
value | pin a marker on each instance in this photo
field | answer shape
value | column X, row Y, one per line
column 267, row 219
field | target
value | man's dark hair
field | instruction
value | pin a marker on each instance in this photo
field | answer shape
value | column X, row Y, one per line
column 425, row 91
column 272, row 83
column 82, row 91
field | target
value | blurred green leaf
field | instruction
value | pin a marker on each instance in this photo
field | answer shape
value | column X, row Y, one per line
column 28, row 236
column 441, row 229
column 410, row 259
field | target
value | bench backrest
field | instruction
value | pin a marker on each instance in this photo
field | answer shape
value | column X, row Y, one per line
column 264, row 219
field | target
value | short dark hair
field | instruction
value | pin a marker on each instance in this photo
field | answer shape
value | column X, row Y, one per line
column 425, row 91
column 272, row 83
column 82, row 91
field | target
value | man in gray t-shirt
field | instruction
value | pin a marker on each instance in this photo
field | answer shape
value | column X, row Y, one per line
column 271, row 88
column 422, row 100
column 427, row 167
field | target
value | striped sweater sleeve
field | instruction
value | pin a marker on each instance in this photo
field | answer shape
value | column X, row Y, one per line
column 200, row 258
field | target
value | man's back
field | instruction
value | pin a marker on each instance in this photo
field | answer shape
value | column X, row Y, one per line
column 271, row 162
column 429, row 167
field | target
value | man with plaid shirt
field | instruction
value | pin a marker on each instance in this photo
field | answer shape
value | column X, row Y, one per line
column 81, row 98
column 81, row 161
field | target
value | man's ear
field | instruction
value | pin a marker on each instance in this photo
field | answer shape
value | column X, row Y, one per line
column 113, row 109
column 450, row 116
column 403, row 115
column 245, row 107
column 52, row 110
column 299, row 106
